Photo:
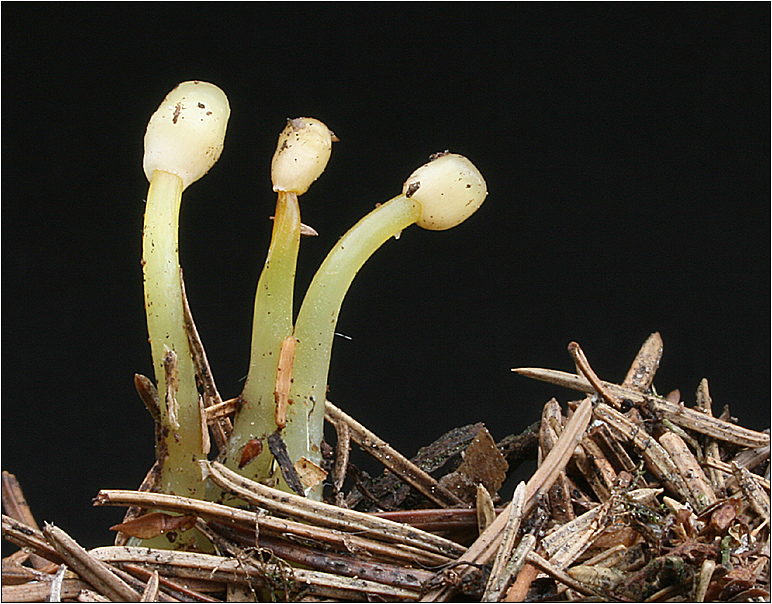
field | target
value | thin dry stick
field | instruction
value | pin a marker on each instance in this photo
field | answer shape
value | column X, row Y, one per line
column 27, row 537
column 148, row 483
column 140, row 585
column 184, row 592
column 483, row 549
column 678, row 414
column 38, row 591
column 16, row 506
column 700, row 493
column 323, row 514
column 222, row 428
column 95, row 572
column 206, row 566
column 342, row 451
column 287, row 529
column 56, row 584
column 497, row 580
column 583, row 365
column 641, row 374
column 727, row 469
column 151, row 590
column 759, row 502
column 544, row 566
column 595, row 468
column 656, row 457
column 711, row 449
column 349, row 564
column 519, row 588
column 560, row 492
column 515, row 564
column 395, row 461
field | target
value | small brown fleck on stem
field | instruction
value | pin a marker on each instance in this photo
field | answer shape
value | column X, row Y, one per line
column 284, row 379
column 170, row 370
column 251, row 450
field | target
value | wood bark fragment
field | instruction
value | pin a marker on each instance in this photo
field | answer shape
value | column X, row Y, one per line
column 484, row 548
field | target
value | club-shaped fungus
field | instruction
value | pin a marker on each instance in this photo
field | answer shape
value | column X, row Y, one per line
column 183, row 141
column 302, row 153
column 438, row 195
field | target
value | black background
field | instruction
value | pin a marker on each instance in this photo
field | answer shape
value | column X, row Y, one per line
column 626, row 150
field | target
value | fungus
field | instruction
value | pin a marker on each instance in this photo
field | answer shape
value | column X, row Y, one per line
column 437, row 196
column 302, row 153
column 183, row 141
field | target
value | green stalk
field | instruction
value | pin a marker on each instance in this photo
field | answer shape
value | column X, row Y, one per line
column 302, row 152
column 182, row 439
column 315, row 326
column 272, row 323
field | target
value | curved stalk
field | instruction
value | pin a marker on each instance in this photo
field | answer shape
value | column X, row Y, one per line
column 315, row 326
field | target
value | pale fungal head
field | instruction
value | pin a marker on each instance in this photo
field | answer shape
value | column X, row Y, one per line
column 301, row 155
column 449, row 188
column 186, row 133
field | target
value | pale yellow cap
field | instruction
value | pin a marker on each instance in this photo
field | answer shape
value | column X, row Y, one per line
column 186, row 133
column 301, row 155
column 449, row 188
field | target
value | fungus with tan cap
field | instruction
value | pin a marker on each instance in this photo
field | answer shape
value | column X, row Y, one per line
column 437, row 196
column 184, row 139
column 301, row 155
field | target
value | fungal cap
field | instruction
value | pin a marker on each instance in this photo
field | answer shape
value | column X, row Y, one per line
column 301, row 155
column 185, row 135
column 449, row 188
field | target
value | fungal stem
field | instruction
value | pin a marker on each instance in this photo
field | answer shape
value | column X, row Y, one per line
column 272, row 323
column 165, row 321
column 183, row 140
column 302, row 152
column 318, row 316
column 437, row 196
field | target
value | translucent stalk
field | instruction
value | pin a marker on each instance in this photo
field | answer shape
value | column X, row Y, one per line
column 315, row 326
column 182, row 441
column 272, row 322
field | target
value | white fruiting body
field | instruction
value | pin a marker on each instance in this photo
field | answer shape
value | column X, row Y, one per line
column 449, row 188
column 185, row 135
column 184, row 138
column 301, row 155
